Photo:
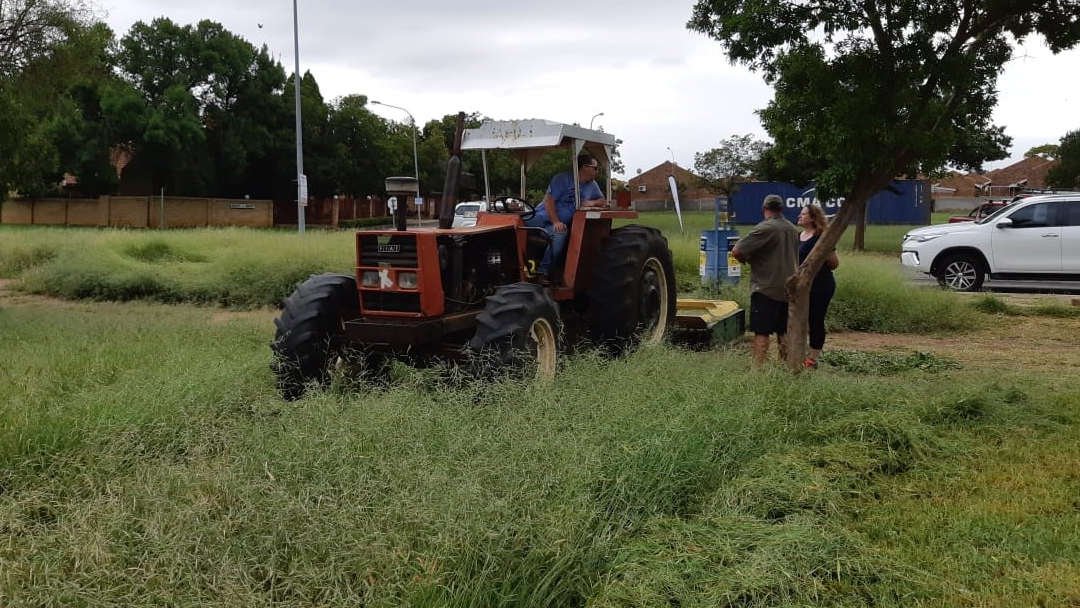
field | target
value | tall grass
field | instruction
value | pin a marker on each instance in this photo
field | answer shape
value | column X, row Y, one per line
column 145, row 460
column 884, row 239
column 245, row 268
column 232, row 266
column 873, row 294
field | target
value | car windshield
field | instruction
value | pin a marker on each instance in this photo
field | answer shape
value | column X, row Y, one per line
column 468, row 210
column 994, row 214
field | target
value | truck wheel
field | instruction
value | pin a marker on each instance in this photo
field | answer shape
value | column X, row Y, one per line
column 518, row 332
column 310, row 337
column 961, row 272
column 632, row 297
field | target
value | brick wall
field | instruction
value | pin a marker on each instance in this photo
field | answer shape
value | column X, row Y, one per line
column 50, row 212
column 139, row 212
column 252, row 214
column 126, row 211
column 86, row 212
column 16, row 212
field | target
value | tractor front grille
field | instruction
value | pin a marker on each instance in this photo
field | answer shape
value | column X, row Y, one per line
column 397, row 251
column 390, row 301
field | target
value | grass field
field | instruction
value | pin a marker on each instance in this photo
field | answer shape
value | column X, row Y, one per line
column 145, row 459
column 246, row 269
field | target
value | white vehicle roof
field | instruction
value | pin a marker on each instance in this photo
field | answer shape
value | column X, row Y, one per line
column 529, row 139
column 1059, row 196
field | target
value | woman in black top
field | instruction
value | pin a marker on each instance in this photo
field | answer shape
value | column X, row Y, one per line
column 812, row 221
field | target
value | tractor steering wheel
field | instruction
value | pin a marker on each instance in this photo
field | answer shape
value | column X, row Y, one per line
column 513, row 204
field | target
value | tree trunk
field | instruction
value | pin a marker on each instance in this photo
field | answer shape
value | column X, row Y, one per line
column 798, row 286
column 860, row 230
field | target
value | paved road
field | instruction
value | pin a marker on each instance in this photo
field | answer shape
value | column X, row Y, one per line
column 1058, row 287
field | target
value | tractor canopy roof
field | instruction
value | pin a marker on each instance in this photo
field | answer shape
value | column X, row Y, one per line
column 529, row 139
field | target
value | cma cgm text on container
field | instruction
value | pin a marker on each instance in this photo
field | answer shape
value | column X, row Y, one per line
column 903, row 202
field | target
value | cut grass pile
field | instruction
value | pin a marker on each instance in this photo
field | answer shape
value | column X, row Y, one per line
column 995, row 305
column 244, row 268
column 145, row 460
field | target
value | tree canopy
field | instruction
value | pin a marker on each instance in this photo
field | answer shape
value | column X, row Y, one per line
column 198, row 111
column 46, row 47
column 1067, row 172
column 876, row 89
column 1043, row 151
column 736, row 158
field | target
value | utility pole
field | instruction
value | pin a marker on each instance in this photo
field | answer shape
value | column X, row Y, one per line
column 301, row 180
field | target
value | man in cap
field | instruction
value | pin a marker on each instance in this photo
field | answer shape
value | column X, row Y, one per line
column 772, row 249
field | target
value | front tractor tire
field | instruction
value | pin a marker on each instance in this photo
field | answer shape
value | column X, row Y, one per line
column 632, row 297
column 517, row 334
column 961, row 272
column 310, row 336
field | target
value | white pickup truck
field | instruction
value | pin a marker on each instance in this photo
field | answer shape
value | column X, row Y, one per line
column 465, row 213
column 1037, row 238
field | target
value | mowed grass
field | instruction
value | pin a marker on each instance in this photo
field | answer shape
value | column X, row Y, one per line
column 145, row 461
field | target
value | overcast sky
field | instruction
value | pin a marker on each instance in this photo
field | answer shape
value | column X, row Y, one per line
column 658, row 84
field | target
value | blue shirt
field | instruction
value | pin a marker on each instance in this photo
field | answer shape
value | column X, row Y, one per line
column 561, row 190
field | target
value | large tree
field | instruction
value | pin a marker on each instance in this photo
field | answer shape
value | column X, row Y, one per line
column 875, row 89
column 736, row 158
column 212, row 108
column 363, row 154
column 46, row 48
column 1067, row 172
column 32, row 29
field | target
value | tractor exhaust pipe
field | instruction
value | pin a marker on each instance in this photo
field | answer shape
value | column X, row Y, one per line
column 453, row 176
column 401, row 188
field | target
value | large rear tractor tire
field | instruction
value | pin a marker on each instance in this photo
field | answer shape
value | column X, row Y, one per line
column 310, row 338
column 517, row 334
column 632, row 297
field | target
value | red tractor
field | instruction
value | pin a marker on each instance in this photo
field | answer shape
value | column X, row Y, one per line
column 425, row 295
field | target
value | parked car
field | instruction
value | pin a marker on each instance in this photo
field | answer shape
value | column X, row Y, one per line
column 979, row 212
column 465, row 213
column 1034, row 238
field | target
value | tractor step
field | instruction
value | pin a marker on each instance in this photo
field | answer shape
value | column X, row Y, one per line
column 706, row 323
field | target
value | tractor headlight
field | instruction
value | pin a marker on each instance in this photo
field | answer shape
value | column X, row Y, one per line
column 370, row 278
column 406, row 280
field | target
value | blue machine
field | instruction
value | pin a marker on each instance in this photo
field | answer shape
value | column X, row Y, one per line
column 716, row 266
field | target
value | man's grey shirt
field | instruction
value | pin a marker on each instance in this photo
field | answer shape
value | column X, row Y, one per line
column 773, row 250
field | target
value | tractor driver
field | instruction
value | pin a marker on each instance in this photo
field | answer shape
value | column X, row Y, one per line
column 557, row 211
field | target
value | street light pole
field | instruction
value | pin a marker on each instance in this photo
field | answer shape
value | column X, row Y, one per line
column 301, row 189
column 594, row 118
column 672, row 155
column 416, row 159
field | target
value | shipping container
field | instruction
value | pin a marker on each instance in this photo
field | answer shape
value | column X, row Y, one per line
column 903, row 202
